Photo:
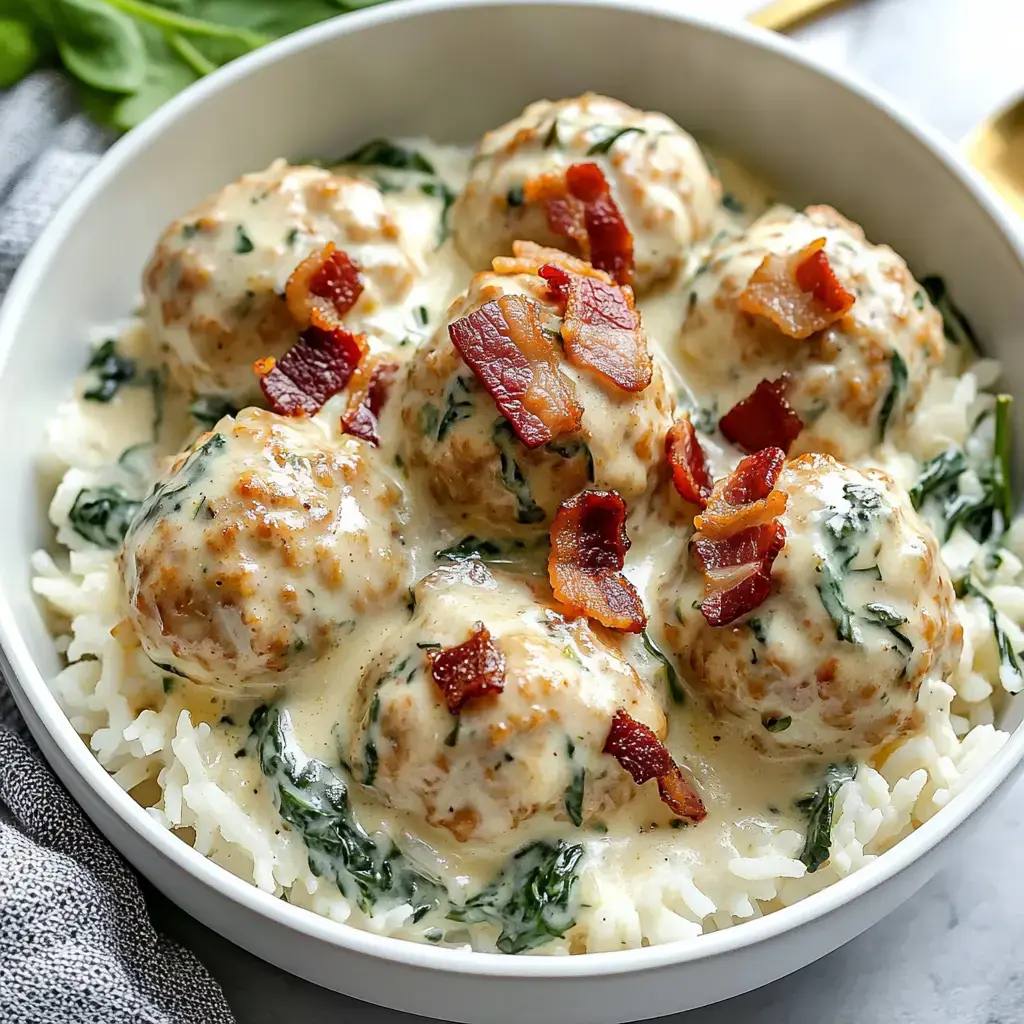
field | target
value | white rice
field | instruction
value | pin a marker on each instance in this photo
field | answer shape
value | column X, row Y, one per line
column 115, row 698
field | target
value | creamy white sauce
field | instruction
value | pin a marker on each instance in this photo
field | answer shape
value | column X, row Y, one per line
column 749, row 797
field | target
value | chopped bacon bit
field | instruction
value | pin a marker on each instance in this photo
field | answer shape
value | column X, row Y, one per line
column 368, row 392
column 588, row 550
column 504, row 345
column 731, row 593
column 681, row 797
column 686, row 459
column 747, row 497
column 764, row 419
column 579, row 205
column 740, row 537
column 475, row 668
column 737, row 570
column 529, row 257
column 799, row 292
column 323, row 288
column 645, row 757
column 601, row 329
column 316, row 367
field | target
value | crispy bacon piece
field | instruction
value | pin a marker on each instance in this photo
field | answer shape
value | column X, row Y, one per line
column 316, row 367
column 529, row 257
column 588, row 550
column 504, row 345
column 686, row 459
column 747, row 497
column 323, row 288
column 601, row 328
column 739, row 537
column 737, row 570
column 798, row 292
column 764, row 419
column 579, row 205
column 645, row 757
column 368, row 392
column 472, row 669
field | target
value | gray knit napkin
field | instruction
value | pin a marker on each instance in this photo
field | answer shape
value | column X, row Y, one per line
column 76, row 942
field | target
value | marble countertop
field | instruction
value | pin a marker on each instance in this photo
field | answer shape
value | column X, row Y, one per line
column 950, row 955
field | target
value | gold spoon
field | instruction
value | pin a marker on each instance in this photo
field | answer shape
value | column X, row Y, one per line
column 782, row 15
column 996, row 149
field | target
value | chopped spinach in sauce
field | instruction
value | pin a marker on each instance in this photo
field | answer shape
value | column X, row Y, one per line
column 208, row 410
column 605, row 144
column 899, row 378
column 170, row 496
column 819, row 807
column 527, row 510
column 102, row 515
column 112, row 371
column 985, row 511
column 532, row 899
column 1010, row 672
column 243, row 243
column 955, row 325
column 312, row 798
column 574, row 791
column 385, row 153
column 675, row 686
column 458, row 405
column 570, row 449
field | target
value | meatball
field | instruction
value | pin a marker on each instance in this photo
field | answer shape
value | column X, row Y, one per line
column 477, row 470
column 861, row 610
column 214, row 287
column 508, row 758
column 259, row 549
column 849, row 382
column 657, row 174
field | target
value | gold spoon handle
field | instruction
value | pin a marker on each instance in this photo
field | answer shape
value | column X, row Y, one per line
column 782, row 15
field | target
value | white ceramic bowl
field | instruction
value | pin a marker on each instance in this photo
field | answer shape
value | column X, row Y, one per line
column 448, row 70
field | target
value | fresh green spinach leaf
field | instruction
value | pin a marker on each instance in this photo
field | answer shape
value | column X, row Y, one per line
column 99, row 44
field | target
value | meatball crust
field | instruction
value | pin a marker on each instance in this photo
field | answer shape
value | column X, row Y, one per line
column 657, row 174
column 214, row 287
column 259, row 549
column 861, row 610
column 476, row 469
column 848, row 383
column 507, row 759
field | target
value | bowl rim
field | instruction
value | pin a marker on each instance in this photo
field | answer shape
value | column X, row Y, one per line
column 28, row 684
